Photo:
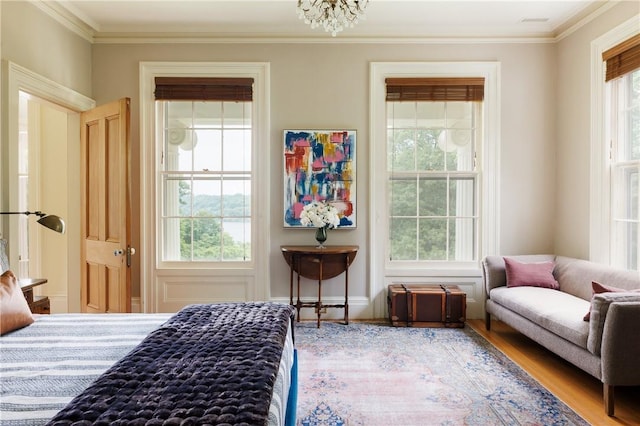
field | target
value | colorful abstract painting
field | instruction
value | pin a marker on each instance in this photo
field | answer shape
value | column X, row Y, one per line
column 320, row 165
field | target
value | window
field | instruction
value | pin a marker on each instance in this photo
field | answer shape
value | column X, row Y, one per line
column 179, row 263
column 433, row 131
column 622, row 126
column 464, row 180
column 205, row 129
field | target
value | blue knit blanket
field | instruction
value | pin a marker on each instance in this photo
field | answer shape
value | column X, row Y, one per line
column 209, row 364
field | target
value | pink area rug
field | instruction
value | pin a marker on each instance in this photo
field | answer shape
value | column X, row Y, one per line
column 375, row 374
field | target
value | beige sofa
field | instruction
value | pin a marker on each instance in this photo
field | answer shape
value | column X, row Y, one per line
column 607, row 346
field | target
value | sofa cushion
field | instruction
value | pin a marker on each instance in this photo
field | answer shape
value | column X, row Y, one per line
column 575, row 276
column 558, row 312
column 599, row 288
column 14, row 309
column 599, row 308
column 537, row 274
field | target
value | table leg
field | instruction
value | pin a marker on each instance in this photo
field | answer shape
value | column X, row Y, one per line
column 346, row 290
column 291, row 283
column 319, row 306
column 298, row 302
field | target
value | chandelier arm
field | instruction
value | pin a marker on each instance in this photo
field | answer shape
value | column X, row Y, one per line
column 332, row 15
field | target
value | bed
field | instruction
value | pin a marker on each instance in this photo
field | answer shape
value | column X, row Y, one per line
column 230, row 363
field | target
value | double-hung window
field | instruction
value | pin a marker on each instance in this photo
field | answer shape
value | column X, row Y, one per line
column 622, row 124
column 206, row 173
column 434, row 131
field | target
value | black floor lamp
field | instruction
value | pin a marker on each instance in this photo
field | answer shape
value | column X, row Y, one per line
column 50, row 221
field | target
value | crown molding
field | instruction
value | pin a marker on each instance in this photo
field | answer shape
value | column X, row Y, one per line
column 585, row 18
column 65, row 17
column 217, row 38
column 87, row 30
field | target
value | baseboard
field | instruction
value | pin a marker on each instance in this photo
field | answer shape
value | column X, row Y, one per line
column 136, row 305
column 59, row 304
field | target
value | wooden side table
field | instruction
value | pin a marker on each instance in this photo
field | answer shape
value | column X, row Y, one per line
column 319, row 264
column 37, row 304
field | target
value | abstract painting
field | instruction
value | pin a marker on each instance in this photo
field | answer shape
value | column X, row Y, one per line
column 320, row 165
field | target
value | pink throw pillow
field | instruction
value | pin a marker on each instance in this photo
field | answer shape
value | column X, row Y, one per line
column 601, row 288
column 537, row 274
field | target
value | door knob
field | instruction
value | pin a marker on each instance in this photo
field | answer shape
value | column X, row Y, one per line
column 130, row 251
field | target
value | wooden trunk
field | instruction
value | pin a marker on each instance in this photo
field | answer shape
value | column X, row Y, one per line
column 426, row 305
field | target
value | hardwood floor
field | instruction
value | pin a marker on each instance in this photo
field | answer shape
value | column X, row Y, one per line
column 577, row 389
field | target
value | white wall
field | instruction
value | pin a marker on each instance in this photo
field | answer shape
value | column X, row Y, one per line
column 573, row 130
column 326, row 86
column 54, row 170
column 37, row 44
column 35, row 41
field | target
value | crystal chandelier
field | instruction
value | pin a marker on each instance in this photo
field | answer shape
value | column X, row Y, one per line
column 333, row 15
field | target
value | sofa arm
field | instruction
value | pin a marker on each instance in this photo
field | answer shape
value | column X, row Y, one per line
column 600, row 306
column 620, row 350
column 493, row 273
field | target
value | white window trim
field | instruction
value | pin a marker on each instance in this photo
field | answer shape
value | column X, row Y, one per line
column 489, row 159
column 600, row 192
column 258, row 270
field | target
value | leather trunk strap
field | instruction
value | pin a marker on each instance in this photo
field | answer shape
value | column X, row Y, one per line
column 447, row 303
column 409, row 305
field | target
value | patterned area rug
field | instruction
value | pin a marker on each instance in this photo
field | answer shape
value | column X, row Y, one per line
column 375, row 374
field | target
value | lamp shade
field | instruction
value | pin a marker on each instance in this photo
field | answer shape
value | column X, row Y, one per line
column 53, row 222
column 50, row 221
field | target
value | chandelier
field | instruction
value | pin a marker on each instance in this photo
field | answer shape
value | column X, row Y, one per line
column 333, row 15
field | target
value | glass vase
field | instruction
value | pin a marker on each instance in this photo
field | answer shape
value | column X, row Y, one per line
column 321, row 236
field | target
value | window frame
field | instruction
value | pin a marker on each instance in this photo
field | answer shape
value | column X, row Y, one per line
column 601, row 224
column 196, row 176
column 382, row 272
column 249, row 279
column 623, row 170
column 420, row 176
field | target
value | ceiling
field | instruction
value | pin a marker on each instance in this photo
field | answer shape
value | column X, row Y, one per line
column 390, row 19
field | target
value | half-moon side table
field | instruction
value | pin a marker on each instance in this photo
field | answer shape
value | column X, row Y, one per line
column 319, row 264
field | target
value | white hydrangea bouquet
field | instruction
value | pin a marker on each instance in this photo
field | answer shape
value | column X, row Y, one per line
column 319, row 215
